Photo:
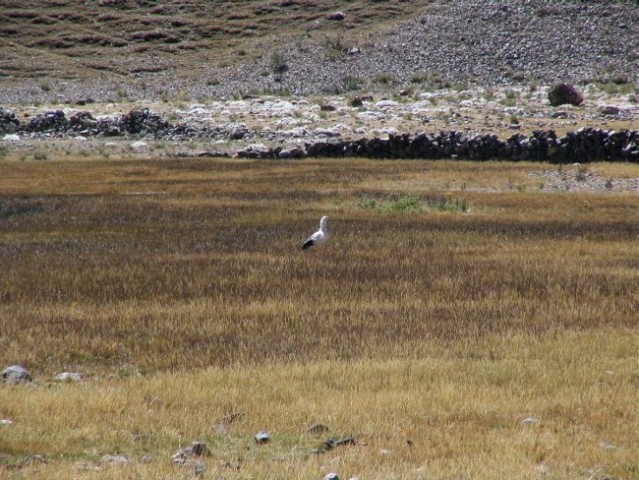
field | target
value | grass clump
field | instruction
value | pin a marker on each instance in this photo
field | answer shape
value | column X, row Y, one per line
column 613, row 88
column 404, row 204
column 447, row 203
column 279, row 65
column 335, row 44
column 383, row 78
column 351, row 83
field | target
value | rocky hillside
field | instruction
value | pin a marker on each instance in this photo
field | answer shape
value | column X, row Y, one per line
column 124, row 49
column 485, row 42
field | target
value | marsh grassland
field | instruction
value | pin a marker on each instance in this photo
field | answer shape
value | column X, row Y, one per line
column 452, row 302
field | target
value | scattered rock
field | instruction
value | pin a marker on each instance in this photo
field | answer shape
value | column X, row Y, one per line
column 69, row 377
column 8, row 122
column 52, row 122
column 578, row 180
column 238, row 131
column 333, row 443
column 326, row 132
column 114, row 459
column 6, row 421
column 294, row 152
column 207, row 153
column 199, row 449
column 15, row 374
column 84, row 101
column 254, row 150
column 610, row 110
column 388, row 131
column 196, row 449
column 262, row 437
column 198, row 469
column 386, row 104
column 563, row 93
column 82, row 122
column 331, row 476
column 139, row 146
column 542, row 468
column 11, row 137
column 297, row 132
column 142, row 122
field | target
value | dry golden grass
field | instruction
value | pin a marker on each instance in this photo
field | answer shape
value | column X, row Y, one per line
column 462, row 407
column 443, row 328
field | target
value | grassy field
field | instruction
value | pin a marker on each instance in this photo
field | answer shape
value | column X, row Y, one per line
column 452, row 302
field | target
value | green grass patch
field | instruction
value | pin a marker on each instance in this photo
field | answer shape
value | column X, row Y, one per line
column 404, row 204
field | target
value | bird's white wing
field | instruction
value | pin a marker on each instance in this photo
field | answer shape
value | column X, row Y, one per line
column 317, row 238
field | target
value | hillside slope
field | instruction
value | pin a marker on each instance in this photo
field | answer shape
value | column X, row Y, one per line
column 110, row 49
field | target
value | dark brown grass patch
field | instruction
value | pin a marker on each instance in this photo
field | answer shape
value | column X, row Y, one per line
column 206, row 268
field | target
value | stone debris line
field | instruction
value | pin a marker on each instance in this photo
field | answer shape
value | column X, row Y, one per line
column 584, row 145
column 55, row 124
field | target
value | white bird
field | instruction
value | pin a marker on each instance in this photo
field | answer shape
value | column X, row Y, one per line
column 318, row 237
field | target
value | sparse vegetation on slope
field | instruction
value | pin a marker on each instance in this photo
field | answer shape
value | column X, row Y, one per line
column 82, row 40
column 141, row 50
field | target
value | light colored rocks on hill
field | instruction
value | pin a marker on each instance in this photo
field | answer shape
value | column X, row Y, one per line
column 466, row 42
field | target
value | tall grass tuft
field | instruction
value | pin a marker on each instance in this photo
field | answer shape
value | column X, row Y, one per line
column 447, row 203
